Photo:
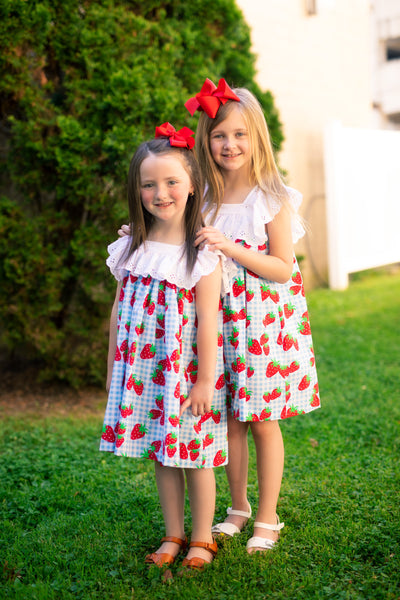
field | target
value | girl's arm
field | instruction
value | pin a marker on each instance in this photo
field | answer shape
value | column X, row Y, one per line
column 275, row 266
column 112, row 340
column 208, row 291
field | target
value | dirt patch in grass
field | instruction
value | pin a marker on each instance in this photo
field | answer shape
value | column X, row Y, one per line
column 20, row 393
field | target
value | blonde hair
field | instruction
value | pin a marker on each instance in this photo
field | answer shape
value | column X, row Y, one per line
column 264, row 170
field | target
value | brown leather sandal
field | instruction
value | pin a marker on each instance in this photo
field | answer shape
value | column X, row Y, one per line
column 163, row 559
column 196, row 563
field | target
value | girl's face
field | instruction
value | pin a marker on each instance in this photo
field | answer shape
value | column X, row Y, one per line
column 164, row 187
column 230, row 143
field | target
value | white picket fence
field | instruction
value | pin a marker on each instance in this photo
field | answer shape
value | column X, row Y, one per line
column 362, row 170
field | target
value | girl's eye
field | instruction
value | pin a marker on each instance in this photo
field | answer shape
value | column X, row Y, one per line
column 147, row 186
column 172, row 182
column 216, row 136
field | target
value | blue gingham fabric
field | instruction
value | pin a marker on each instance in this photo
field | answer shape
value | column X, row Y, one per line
column 154, row 370
column 269, row 357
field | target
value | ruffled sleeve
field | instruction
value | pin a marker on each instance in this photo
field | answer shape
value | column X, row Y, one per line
column 115, row 260
column 164, row 261
column 247, row 221
column 267, row 207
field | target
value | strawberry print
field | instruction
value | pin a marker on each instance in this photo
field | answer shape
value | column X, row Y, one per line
column 132, row 351
column 136, row 384
column 125, row 411
column 124, row 350
column 120, row 440
column 254, row 346
column 209, row 439
column 274, row 378
column 174, row 420
column 171, row 450
column 268, row 319
column 183, row 451
column 171, row 439
column 138, row 431
column 239, row 365
column 158, row 376
column 304, row 383
column 108, row 434
column 156, row 365
column 233, row 338
column 269, row 396
column 219, row 458
column 288, row 310
column 155, row 413
column 220, row 382
column 272, row 369
column 265, row 414
column 148, row 351
column 249, row 295
column 161, row 294
column 139, row 328
column 238, row 287
column 193, row 454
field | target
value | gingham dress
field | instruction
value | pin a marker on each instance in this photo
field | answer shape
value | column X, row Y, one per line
column 156, row 362
column 269, row 358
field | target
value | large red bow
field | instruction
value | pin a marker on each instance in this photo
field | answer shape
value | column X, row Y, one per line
column 179, row 139
column 211, row 97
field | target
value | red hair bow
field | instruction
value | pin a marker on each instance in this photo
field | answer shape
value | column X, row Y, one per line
column 211, row 97
column 179, row 139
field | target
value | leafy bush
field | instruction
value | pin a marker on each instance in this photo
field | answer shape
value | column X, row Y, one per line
column 82, row 83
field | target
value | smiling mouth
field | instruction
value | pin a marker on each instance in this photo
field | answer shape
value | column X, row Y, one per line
column 163, row 205
column 231, row 155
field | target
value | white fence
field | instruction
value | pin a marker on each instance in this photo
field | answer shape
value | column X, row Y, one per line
column 362, row 169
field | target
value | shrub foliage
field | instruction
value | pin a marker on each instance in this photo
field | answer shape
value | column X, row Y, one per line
column 82, row 83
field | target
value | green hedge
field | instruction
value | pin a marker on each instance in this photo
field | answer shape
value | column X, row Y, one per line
column 82, row 83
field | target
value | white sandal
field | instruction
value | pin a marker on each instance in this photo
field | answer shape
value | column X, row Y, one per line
column 229, row 529
column 264, row 543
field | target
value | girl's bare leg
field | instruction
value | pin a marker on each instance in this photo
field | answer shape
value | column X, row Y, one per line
column 201, row 489
column 270, row 459
column 171, row 491
column 236, row 469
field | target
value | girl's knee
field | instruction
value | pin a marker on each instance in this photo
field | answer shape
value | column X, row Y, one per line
column 265, row 429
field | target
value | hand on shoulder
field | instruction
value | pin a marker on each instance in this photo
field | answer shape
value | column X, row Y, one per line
column 215, row 240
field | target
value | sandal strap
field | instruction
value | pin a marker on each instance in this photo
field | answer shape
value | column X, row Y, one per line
column 228, row 529
column 160, row 560
column 259, row 542
column 276, row 527
column 194, row 563
column 239, row 513
column 211, row 547
column 171, row 538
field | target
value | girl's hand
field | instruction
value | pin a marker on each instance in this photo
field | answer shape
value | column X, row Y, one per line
column 215, row 240
column 125, row 230
column 199, row 399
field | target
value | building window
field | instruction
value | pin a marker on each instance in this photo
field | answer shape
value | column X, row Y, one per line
column 393, row 49
column 311, row 7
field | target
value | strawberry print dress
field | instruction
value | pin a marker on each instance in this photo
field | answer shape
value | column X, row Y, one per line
column 269, row 357
column 155, row 363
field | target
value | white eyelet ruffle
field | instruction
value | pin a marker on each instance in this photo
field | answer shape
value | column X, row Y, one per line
column 166, row 261
column 246, row 221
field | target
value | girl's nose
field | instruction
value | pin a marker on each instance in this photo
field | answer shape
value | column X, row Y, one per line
column 229, row 142
column 161, row 193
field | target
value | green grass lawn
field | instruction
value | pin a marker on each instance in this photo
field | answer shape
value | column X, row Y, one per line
column 76, row 523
